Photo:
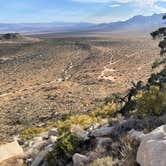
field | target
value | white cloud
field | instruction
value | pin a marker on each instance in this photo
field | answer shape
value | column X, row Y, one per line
column 150, row 5
column 123, row 1
column 114, row 5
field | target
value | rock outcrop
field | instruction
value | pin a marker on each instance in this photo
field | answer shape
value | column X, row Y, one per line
column 152, row 150
column 79, row 160
column 11, row 36
column 11, row 150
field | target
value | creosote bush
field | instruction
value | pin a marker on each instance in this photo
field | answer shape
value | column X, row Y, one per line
column 106, row 110
column 152, row 102
column 158, row 62
column 64, row 148
column 31, row 132
column 66, row 144
column 84, row 121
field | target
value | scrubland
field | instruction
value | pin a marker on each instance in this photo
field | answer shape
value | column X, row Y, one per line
column 46, row 81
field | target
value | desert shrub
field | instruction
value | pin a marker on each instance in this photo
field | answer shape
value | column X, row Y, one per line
column 64, row 148
column 66, row 144
column 155, row 64
column 31, row 132
column 158, row 62
column 152, row 102
column 108, row 109
column 106, row 161
column 84, row 121
column 157, row 79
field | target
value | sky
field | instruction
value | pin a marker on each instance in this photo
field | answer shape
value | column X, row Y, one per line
column 96, row 11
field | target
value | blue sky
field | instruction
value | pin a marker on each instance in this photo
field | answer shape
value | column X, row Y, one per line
column 97, row 11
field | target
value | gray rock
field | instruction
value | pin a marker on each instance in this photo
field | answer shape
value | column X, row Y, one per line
column 53, row 132
column 79, row 132
column 31, row 153
column 136, row 135
column 118, row 129
column 79, row 160
column 40, row 158
column 49, row 148
column 103, row 131
column 152, row 150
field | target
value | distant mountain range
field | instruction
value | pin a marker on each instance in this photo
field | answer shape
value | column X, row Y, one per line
column 136, row 23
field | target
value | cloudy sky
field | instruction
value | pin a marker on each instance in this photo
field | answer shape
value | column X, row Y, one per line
column 96, row 11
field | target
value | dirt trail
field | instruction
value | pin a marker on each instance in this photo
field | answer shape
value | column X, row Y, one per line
column 106, row 73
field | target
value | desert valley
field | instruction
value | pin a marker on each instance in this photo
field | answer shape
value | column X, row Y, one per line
column 44, row 80
column 83, row 94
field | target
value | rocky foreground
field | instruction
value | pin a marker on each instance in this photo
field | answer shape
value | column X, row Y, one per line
column 99, row 136
column 119, row 131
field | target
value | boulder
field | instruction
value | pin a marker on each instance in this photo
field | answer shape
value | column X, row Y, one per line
column 53, row 139
column 79, row 132
column 118, row 129
column 79, row 160
column 40, row 158
column 11, row 36
column 12, row 162
column 11, row 150
column 103, row 131
column 152, row 150
column 136, row 135
column 53, row 132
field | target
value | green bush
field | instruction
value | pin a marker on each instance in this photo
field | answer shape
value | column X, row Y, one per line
column 67, row 144
column 155, row 64
column 84, row 121
column 64, row 148
column 158, row 62
column 106, row 110
column 32, row 132
column 152, row 102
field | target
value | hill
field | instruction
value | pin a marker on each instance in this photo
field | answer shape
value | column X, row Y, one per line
column 136, row 23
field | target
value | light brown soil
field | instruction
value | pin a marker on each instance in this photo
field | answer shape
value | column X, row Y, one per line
column 40, row 81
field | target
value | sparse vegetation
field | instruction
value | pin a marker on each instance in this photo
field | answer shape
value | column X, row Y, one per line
column 82, row 120
column 158, row 62
column 105, row 161
column 152, row 102
column 32, row 132
column 72, row 93
column 107, row 110
column 128, row 152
